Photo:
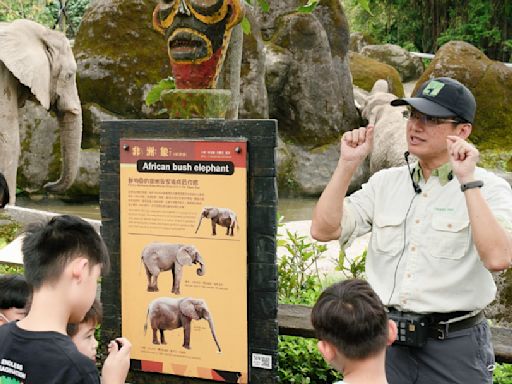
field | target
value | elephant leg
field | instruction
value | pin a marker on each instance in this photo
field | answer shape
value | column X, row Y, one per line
column 154, row 282
column 9, row 129
column 173, row 289
column 162, row 337
column 186, row 334
column 155, row 337
column 177, row 272
column 214, row 232
column 227, row 231
column 149, row 276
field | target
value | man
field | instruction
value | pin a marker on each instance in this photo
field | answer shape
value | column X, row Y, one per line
column 438, row 230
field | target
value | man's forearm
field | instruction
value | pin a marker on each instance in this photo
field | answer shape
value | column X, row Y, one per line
column 326, row 223
column 492, row 241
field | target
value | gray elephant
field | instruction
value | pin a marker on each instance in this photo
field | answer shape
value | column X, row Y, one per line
column 224, row 217
column 166, row 313
column 159, row 257
column 37, row 63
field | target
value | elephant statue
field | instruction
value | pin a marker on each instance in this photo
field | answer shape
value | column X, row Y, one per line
column 159, row 257
column 37, row 63
column 168, row 313
column 4, row 191
column 224, row 217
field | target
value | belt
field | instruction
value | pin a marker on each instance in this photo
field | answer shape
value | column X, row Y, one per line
column 440, row 331
column 437, row 326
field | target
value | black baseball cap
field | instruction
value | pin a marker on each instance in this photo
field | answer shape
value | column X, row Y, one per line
column 442, row 97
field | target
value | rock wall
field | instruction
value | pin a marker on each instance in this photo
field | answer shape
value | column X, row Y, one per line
column 490, row 82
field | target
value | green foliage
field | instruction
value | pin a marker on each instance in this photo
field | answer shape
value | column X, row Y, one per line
column 301, row 363
column 8, row 232
column 36, row 10
column 6, row 269
column 477, row 29
column 425, row 26
column 355, row 268
column 503, row 374
column 45, row 12
column 154, row 94
column 297, row 283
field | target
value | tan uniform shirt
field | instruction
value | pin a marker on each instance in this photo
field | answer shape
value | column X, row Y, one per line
column 421, row 256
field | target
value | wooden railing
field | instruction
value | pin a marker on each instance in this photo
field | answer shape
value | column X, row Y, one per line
column 294, row 320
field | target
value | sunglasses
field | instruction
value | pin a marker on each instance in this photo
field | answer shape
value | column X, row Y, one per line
column 429, row 121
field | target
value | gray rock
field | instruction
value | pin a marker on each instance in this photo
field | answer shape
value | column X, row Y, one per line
column 253, row 91
column 389, row 138
column 306, row 172
column 93, row 114
column 409, row 67
column 358, row 41
column 40, row 147
column 87, row 182
column 311, row 106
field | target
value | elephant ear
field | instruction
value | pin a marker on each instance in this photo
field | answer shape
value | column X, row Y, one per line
column 188, row 308
column 185, row 255
column 213, row 212
column 27, row 49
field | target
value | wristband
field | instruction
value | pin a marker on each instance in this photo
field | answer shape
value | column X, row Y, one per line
column 471, row 184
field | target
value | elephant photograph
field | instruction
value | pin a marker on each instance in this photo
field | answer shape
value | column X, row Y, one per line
column 166, row 313
column 37, row 63
column 224, row 217
column 158, row 257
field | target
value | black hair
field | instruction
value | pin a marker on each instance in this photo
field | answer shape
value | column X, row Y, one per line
column 14, row 292
column 4, row 191
column 49, row 247
column 350, row 315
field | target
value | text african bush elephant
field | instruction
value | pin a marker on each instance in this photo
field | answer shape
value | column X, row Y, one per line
column 159, row 257
column 37, row 63
column 224, row 217
column 166, row 313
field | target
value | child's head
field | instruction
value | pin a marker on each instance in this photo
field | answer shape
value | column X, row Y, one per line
column 14, row 297
column 350, row 322
column 65, row 254
column 82, row 333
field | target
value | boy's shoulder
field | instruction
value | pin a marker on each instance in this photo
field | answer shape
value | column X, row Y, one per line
column 42, row 357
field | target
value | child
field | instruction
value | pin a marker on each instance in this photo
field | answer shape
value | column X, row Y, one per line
column 14, row 295
column 353, row 330
column 82, row 334
column 63, row 260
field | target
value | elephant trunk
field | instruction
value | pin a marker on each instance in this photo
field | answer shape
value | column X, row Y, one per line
column 212, row 328
column 202, row 269
column 70, row 141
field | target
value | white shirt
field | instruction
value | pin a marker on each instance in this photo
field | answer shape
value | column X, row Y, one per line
column 421, row 256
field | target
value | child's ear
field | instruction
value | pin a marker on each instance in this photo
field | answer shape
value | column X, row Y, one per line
column 79, row 268
column 392, row 332
column 327, row 350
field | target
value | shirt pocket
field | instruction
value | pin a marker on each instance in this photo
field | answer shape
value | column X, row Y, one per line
column 388, row 234
column 449, row 237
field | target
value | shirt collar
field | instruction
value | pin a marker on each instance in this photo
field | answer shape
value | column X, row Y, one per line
column 444, row 173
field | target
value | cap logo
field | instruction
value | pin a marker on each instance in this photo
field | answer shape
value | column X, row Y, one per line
column 433, row 88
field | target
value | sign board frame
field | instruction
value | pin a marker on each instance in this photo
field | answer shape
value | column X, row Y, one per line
column 261, row 137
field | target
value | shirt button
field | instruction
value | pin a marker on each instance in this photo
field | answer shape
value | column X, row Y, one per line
column 404, row 301
column 417, row 221
column 413, row 248
column 449, row 225
column 425, row 194
column 409, row 275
